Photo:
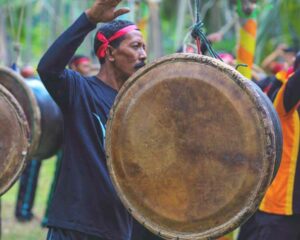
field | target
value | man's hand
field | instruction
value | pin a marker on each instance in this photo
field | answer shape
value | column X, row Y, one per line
column 215, row 37
column 105, row 11
column 280, row 49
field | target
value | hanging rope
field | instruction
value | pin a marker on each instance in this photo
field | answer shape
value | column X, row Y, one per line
column 199, row 35
column 197, row 14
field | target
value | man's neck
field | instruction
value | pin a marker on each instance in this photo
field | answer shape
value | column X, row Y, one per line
column 110, row 77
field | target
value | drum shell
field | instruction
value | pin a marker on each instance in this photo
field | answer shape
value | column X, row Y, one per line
column 276, row 124
column 51, row 121
column 14, row 141
column 124, row 123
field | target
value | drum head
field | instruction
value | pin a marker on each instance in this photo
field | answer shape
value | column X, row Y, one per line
column 190, row 147
column 14, row 140
column 17, row 86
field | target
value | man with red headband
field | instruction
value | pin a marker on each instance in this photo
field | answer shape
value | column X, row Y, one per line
column 81, row 64
column 85, row 205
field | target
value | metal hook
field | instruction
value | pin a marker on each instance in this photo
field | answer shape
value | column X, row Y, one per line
column 240, row 65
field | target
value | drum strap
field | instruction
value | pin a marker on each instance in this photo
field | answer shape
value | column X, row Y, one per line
column 199, row 35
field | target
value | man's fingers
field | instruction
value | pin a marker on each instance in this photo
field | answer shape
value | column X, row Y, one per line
column 121, row 11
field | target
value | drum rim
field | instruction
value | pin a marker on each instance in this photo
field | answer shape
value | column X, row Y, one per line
column 23, row 123
column 35, row 122
column 276, row 121
column 266, row 123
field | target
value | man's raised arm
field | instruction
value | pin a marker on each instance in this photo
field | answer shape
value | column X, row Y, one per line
column 52, row 65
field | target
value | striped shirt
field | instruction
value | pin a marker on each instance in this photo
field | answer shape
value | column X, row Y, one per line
column 283, row 195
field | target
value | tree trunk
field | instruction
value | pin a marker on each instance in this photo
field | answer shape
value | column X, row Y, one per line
column 57, row 18
column 28, row 34
column 155, row 33
column 216, row 19
column 3, row 43
column 181, row 13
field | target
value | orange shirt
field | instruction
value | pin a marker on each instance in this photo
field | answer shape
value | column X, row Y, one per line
column 283, row 195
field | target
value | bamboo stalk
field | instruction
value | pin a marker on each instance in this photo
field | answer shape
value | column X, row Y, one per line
column 156, row 47
column 3, row 43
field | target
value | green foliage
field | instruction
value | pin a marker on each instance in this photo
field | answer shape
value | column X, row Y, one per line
column 15, row 3
column 227, row 45
column 168, row 34
column 278, row 25
column 13, row 230
column 277, row 22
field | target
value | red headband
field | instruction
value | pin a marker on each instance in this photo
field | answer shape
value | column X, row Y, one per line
column 80, row 61
column 101, row 52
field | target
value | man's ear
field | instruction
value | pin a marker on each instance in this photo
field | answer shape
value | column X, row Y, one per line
column 110, row 53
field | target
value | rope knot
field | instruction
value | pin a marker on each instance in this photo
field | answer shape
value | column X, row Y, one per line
column 197, row 30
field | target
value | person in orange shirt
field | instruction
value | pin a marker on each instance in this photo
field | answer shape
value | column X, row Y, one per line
column 278, row 216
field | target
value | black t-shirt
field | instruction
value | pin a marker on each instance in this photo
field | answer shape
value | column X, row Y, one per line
column 84, row 199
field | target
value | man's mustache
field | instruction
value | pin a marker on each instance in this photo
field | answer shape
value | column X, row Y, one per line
column 139, row 65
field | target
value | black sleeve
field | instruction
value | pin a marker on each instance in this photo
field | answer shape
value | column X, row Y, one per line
column 292, row 92
column 59, row 81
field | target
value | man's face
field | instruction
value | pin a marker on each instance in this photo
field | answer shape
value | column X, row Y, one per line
column 84, row 68
column 130, row 55
column 289, row 58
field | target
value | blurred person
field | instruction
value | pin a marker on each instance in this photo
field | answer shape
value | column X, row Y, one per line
column 191, row 47
column 27, row 190
column 85, row 204
column 280, row 60
column 28, row 72
column 278, row 216
column 227, row 58
column 80, row 64
column 258, row 73
column 30, row 175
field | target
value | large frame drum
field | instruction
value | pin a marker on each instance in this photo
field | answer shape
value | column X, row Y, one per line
column 42, row 113
column 27, row 112
column 14, row 140
column 191, row 147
